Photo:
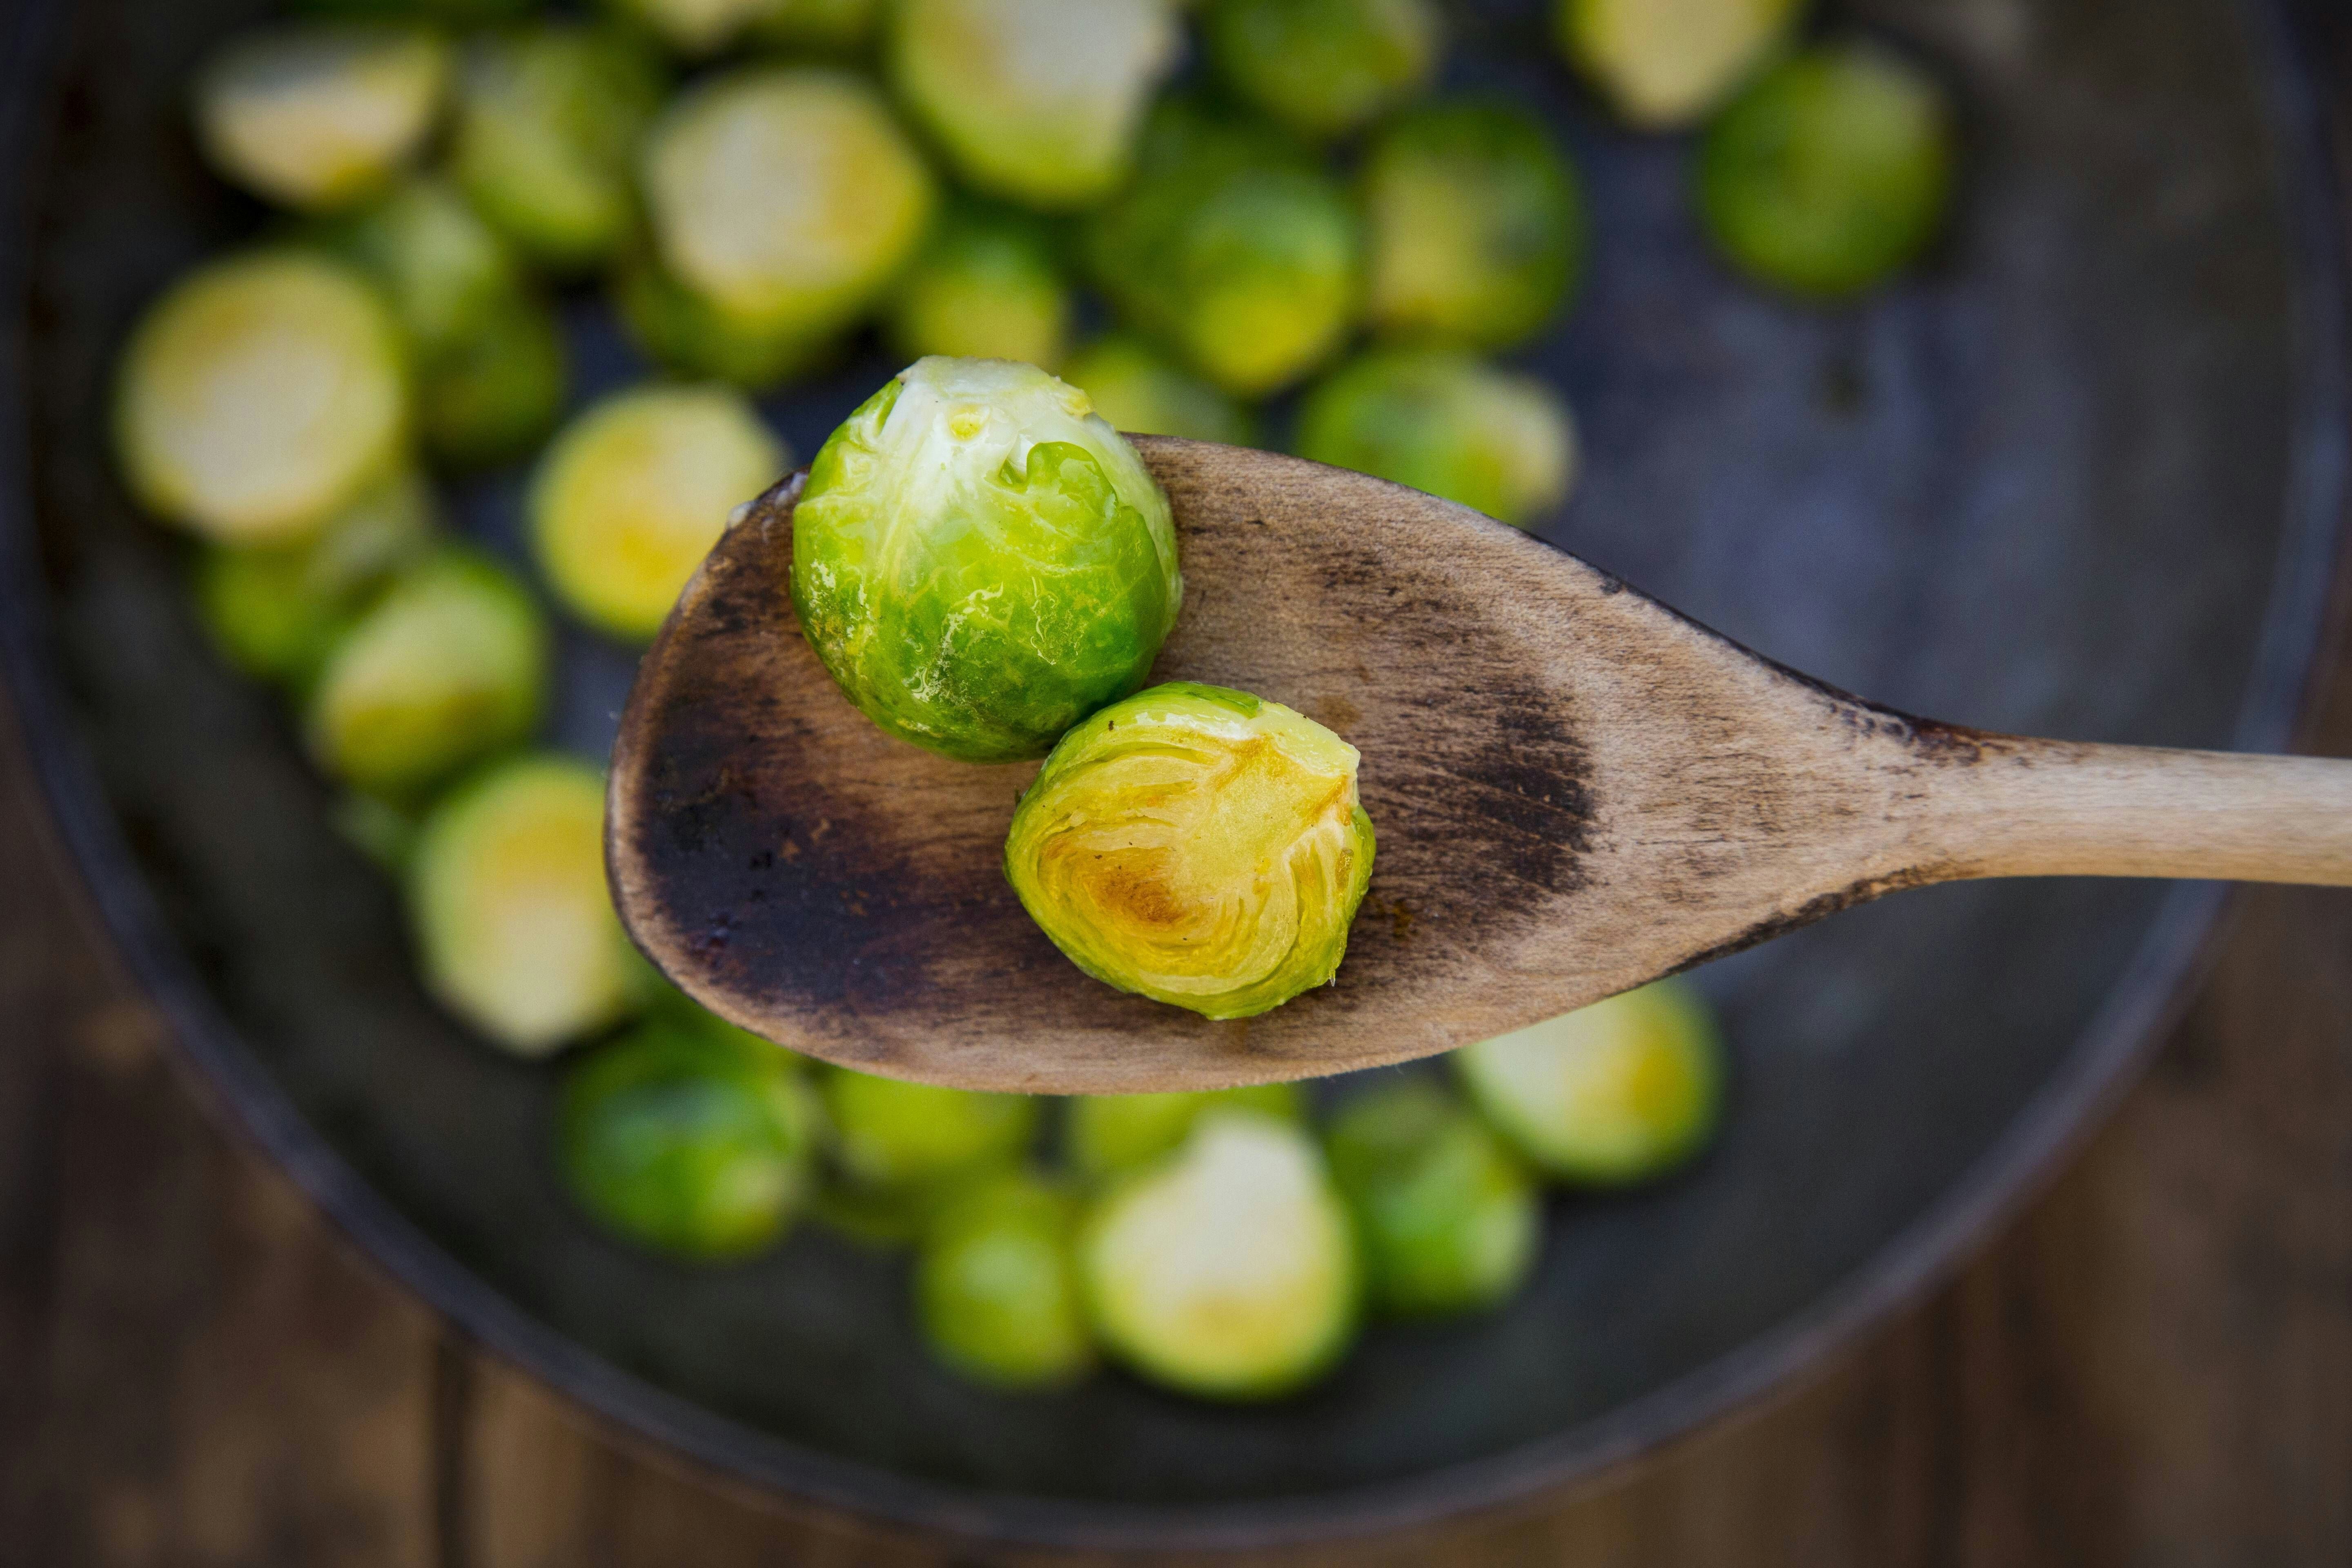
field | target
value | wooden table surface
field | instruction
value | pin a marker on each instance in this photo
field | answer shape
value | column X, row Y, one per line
column 2152, row 1364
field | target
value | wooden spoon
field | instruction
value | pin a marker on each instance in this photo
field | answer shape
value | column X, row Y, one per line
column 1576, row 790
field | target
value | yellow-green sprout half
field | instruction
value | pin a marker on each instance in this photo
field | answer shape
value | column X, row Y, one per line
column 985, row 286
column 996, row 1290
column 311, row 115
column 1106, row 1134
column 1608, row 1095
column 1034, row 100
column 1198, row 845
column 1447, row 423
column 514, row 926
column 630, row 498
column 693, row 27
column 259, row 395
column 1668, row 64
column 1230, row 1270
column 1325, row 67
column 981, row 562
column 1138, row 389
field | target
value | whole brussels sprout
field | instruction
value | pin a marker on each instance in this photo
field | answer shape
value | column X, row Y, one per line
column 1138, row 389
column 1034, row 101
column 1665, row 65
column 260, row 395
column 631, row 497
column 1448, row 1217
column 827, row 26
column 891, row 1135
column 692, row 27
column 981, row 562
column 1325, row 67
column 312, row 115
column 1448, row 423
column 689, row 1141
column 1476, row 226
column 986, row 286
column 1608, row 1095
column 515, row 930
column 996, row 1286
column 1230, row 1270
column 1830, row 172
column 1110, row 1133
column 1234, row 246
column 1197, row 846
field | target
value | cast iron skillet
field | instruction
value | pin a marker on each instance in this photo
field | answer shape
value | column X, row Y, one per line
column 2083, row 477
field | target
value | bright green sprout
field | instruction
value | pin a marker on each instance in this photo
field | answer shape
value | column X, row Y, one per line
column 1665, row 65
column 893, row 1136
column 1325, row 67
column 1138, row 389
column 1109, row 1134
column 313, row 115
column 996, row 1287
column 985, row 286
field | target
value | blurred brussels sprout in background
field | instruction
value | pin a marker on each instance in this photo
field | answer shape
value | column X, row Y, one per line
column 980, row 562
column 449, row 666
column 1611, row 1094
column 1138, row 389
column 691, row 28
column 549, row 118
column 1034, row 100
column 1231, row 1269
column 695, row 1142
column 1664, row 65
column 985, row 285
column 825, row 26
column 1448, row 423
column 1198, row 845
column 1234, row 246
column 1325, row 67
column 894, row 1136
column 1475, row 226
column 312, row 115
column 1110, row 1134
column 631, row 497
column 492, row 396
column 1830, row 172
column 261, row 394
column 1448, row 1217
column 996, row 1290
column 694, row 335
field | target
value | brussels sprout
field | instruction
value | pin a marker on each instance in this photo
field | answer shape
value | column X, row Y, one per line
column 1445, row 423
column 1138, row 390
column 692, row 27
column 494, row 395
column 1476, row 226
column 996, row 1287
column 1447, row 1216
column 1325, row 67
column 312, row 115
column 1666, row 64
column 384, row 833
column 448, row 666
column 1034, row 100
column 1198, row 845
column 1830, row 172
column 832, row 26
column 1228, row 1271
column 1232, row 247
column 513, row 923
column 985, row 287
column 981, row 562
column 694, row 335
column 635, row 492
column 1110, row 1133
column 1608, row 1095
column 689, row 1141
column 548, row 120
column 261, row 394
column 890, row 1135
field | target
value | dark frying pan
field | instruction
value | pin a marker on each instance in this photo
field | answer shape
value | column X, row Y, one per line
column 2083, row 477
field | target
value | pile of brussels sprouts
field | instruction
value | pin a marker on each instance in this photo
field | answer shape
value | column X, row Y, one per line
column 1260, row 197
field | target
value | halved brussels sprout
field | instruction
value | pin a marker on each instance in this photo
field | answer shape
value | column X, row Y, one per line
column 692, row 27
column 1666, row 64
column 692, row 1142
column 1611, row 1094
column 549, row 118
column 996, row 1287
column 985, row 286
column 1448, row 423
column 695, row 335
column 1325, row 67
column 891, row 1135
column 1138, row 389
column 1476, row 226
column 1234, row 246
column 631, row 496
column 448, row 666
column 1229, row 1271
column 826, row 26
column 1830, row 172
column 1448, row 1217
column 1110, row 1133
column 514, row 926
column 313, row 115
column 981, row 562
column 1198, row 845
column 261, row 394
column 1034, row 100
